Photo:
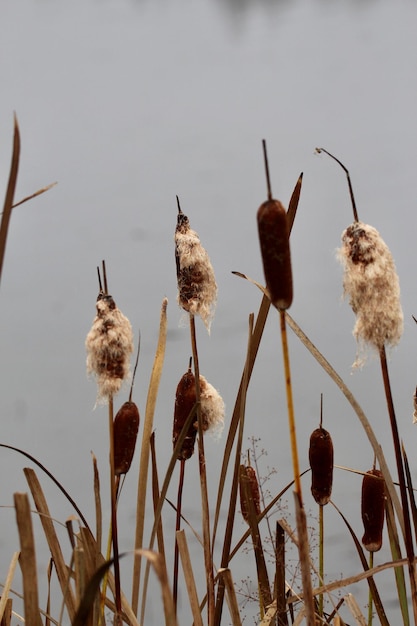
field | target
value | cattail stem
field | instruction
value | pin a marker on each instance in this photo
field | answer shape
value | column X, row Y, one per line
column 268, row 180
column 118, row 600
column 178, row 527
column 290, row 405
column 370, row 601
column 208, row 557
column 352, row 197
column 300, row 513
column 321, row 557
column 401, row 479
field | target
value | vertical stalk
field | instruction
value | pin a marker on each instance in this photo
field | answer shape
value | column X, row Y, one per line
column 208, row 557
column 321, row 556
column 177, row 528
column 118, row 600
column 370, row 601
column 300, row 512
column 401, row 479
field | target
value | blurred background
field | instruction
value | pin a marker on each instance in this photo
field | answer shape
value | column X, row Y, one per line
column 126, row 104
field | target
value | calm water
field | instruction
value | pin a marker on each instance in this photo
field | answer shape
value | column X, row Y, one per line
column 127, row 104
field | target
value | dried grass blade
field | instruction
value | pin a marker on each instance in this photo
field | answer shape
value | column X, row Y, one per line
column 237, row 421
column 160, row 570
column 263, row 580
column 353, row 606
column 371, row 582
column 293, row 204
column 145, row 451
column 269, row 617
column 11, row 186
column 52, row 539
column 156, row 496
column 226, row 574
column 358, row 410
column 189, row 577
column 6, row 619
column 34, row 195
column 97, row 502
column 396, row 554
column 304, row 555
column 410, row 489
column 281, row 601
column 27, row 559
column 7, row 585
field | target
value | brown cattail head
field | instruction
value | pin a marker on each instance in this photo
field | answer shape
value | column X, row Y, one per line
column 185, row 402
column 373, row 509
column 371, row 282
column 125, row 432
column 320, row 454
column 109, row 345
column 197, row 288
column 212, row 411
column 274, row 238
column 249, row 491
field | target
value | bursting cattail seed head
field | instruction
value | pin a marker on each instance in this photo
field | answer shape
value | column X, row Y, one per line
column 371, row 282
column 197, row 288
column 321, row 462
column 274, row 239
column 125, row 432
column 249, row 490
column 109, row 345
column 212, row 408
column 185, row 402
column 212, row 411
column 373, row 509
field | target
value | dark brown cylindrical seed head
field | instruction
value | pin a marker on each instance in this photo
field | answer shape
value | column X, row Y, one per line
column 185, row 399
column 125, row 432
column 274, row 238
column 320, row 454
column 373, row 509
column 249, row 490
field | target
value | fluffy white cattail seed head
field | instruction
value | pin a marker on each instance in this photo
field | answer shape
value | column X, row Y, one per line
column 371, row 282
column 197, row 288
column 212, row 408
column 109, row 345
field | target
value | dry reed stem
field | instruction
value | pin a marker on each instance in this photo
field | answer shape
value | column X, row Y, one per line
column 145, row 452
column 205, row 510
column 27, row 559
column 7, row 584
column 11, row 186
column 232, row 603
column 158, row 563
column 52, row 539
column 189, row 577
column 34, row 195
column 6, row 618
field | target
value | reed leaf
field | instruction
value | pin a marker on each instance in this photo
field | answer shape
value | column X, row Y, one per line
column 189, row 577
column 4, row 604
column 145, row 451
column 27, row 559
column 396, row 554
column 11, row 186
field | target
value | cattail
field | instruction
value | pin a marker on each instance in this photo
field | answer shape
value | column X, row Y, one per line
column 212, row 411
column 249, row 491
column 274, row 239
column 320, row 454
column 212, row 408
column 185, row 402
column 197, row 288
column 373, row 509
column 371, row 282
column 109, row 345
column 125, row 432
